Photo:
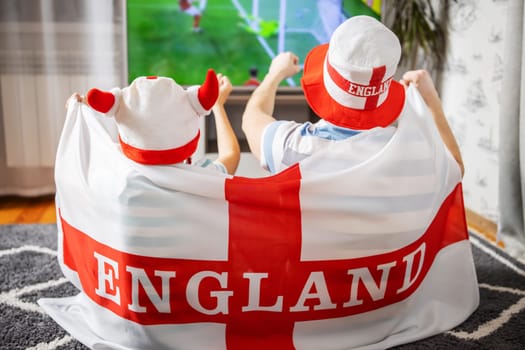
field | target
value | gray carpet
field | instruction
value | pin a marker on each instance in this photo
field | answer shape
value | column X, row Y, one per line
column 29, row 271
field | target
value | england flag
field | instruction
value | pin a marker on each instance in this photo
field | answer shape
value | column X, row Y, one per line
column 180, row 257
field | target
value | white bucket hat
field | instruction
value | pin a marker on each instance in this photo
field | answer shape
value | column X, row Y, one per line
column 348, row 82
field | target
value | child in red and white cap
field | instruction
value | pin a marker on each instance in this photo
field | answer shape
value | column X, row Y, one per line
column 158, row 120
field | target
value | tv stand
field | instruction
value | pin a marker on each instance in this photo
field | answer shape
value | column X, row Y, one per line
column 290, row 104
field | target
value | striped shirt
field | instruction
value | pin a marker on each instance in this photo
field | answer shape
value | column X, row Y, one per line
column 285, row 143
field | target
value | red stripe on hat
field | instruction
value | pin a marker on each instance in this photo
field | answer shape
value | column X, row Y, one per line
column 160, row 157
column 337, row 78
column 371, row 91
column 378, row 73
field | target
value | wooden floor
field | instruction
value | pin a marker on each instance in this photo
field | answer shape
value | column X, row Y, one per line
column 41, row 210
column 17, row 210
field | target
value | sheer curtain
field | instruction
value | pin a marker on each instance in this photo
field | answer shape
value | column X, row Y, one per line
column 512, row 135
column 48, row 50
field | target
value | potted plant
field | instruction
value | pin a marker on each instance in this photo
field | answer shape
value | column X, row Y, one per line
column 420, row 31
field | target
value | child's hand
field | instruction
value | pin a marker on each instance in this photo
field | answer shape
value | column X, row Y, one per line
column 284, row 65
column 75, row 97
column 423, row 82
column 225, row 88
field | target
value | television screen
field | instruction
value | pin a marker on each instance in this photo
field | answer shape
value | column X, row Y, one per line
column 183, row 38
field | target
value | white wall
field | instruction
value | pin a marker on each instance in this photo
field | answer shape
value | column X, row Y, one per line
column 470, row 92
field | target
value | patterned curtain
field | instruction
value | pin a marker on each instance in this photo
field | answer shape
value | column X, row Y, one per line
column 48, row 50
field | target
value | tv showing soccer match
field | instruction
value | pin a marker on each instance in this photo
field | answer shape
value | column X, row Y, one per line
column 181, row 39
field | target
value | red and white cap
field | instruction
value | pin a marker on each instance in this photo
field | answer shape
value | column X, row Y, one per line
column 157, row 119
column 349, row 82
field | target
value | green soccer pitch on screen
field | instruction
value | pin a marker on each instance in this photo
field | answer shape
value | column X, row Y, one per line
column 182, row 39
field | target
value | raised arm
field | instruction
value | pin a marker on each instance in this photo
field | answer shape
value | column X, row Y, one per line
column 423, row 82
column 259, row 109
column 227, row 143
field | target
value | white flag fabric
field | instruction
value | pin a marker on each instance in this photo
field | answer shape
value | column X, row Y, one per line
column 180, row 257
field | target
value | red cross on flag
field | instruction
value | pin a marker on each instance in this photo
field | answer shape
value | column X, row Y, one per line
column 179, row 257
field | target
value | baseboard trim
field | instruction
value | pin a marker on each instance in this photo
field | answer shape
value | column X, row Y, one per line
column 483, row 226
